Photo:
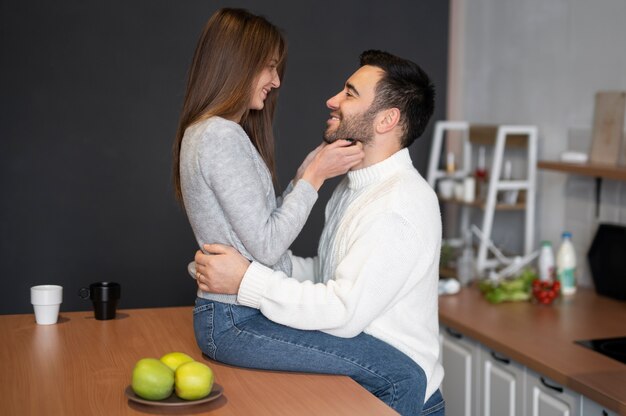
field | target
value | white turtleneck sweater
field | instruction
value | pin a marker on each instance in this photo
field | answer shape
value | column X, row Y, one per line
column 376, row 271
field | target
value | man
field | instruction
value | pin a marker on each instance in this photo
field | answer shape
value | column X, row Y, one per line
column 376, row 272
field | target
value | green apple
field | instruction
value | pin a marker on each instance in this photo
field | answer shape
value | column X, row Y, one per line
column 194, row 380
column 175, row 359
column 152, row 380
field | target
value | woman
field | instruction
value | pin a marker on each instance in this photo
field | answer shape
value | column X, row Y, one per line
column 223, row 171
column 224, row 166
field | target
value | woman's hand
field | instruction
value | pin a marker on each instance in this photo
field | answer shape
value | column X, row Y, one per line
column 307, row 161
column 330, row 160
column 220, row 271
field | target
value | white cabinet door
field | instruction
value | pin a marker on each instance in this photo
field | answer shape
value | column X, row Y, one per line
column 460, row 357
column 503, row 385
column 591, row 408
column 547, row 398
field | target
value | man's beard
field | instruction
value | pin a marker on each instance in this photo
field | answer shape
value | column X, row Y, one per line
column 359, row 127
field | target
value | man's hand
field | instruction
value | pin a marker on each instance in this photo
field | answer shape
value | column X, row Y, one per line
column 220, row 271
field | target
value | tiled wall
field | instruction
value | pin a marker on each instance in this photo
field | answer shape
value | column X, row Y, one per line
column 541, row 63
column 580, row 215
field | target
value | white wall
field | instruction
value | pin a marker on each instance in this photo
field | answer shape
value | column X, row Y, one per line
column 541, row 62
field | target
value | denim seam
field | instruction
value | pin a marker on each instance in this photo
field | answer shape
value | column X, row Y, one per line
column 208, row 307
column 394, row 397
column 395, row 389
column 433, row 409
column 202, row 308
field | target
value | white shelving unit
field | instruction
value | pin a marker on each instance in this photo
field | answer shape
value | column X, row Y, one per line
column 496, row 184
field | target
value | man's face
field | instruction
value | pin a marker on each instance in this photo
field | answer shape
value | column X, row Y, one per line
column 352, row 116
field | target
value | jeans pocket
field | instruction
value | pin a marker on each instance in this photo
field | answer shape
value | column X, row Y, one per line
column 434, row 406
column 203, row 326
column 240, row 314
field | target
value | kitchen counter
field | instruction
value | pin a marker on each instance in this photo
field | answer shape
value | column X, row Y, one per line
column 81, row 366
column 542, row 338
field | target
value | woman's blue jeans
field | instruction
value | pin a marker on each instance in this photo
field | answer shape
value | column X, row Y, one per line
column 242, row 336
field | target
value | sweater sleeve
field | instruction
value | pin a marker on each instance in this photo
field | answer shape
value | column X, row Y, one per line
column 383, row 263
column 287, row 191
column 239, row 180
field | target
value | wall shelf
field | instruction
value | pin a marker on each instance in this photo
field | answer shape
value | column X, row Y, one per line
column 596, row 170
column 587, row 169
column 499, row 137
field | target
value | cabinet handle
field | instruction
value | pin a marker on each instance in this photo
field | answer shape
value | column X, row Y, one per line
column 557, row 388
column 454, row 334
column 500, row 359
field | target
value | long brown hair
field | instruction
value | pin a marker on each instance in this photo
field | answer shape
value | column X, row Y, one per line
column 235, row 45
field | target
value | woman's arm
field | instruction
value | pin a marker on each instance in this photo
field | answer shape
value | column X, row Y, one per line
column 242, row 183
column 242, row 186
column 299, row 173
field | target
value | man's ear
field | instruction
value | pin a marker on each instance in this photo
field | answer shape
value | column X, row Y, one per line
column 387, row 120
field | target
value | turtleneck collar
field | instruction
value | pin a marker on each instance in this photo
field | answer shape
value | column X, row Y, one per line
column 366, row 176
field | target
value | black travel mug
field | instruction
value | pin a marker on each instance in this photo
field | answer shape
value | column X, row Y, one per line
column 104, row 296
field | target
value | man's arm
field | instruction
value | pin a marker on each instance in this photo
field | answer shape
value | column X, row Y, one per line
column 222, row 269
column 376, row 270
column 384, row 262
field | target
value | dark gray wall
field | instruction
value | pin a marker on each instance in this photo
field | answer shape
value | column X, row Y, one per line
column 90, row 94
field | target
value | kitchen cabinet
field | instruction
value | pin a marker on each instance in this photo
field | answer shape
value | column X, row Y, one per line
column 481, row 381
column 591, row 408
column 542, row 339
column 503, row 383
column 544, row 397
column 460, row 359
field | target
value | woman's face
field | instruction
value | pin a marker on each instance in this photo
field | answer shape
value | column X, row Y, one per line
column 266, row 80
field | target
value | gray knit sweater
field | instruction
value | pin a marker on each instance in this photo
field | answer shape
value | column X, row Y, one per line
column 229, row 197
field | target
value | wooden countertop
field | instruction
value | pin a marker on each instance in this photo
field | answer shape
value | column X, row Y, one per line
column 81, row 366
column 542, row 338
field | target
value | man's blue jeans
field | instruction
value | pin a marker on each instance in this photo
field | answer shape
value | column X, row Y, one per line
column 243, row 337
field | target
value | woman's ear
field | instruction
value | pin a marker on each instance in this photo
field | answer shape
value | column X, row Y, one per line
column 387, row 120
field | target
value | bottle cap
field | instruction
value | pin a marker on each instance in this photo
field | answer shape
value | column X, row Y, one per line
column 546, row 243
column 566, row 234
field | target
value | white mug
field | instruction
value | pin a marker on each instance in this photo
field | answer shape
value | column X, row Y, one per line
column 46, row 300
column 446, row 188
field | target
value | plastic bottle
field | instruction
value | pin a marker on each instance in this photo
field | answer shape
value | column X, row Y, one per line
column 465, row 262
column 566, row 265
column 450, row 165
column 547, row 271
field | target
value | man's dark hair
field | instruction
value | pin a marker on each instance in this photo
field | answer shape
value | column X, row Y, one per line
column 406, row 87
